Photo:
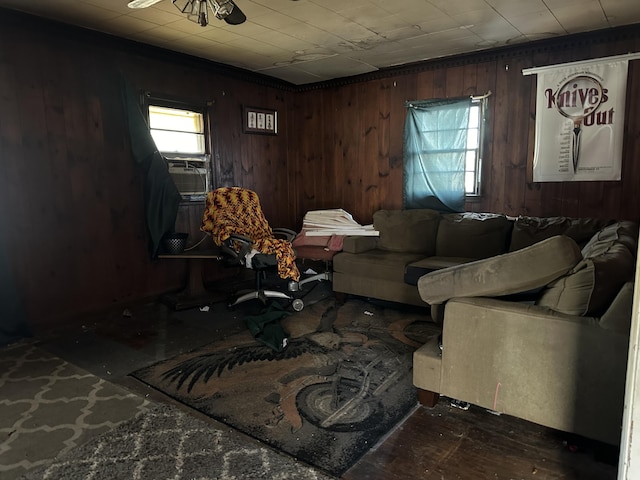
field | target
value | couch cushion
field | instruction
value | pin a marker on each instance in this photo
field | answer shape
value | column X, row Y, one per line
column 525, row 269
column 358, row 244
column 374, row 264
column 411, row 231
column 624, row 232
column 529, row 230
column 423, row 266
column 472, row 235
column 591, row 286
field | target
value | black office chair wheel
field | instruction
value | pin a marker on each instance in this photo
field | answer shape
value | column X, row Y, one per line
column 297, row 305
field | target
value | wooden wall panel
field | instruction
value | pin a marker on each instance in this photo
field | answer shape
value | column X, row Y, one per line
column 348, row 112
column 382, row 141
column 329, row 177
column 629, row 192
column 494, row 196
column 485, row 77
column 403, row 90
column 515, row 90
column 454, row 80
column 308, row 165
column 365, row 167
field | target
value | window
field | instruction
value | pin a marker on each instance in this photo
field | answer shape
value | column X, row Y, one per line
column 443, row 152
column 179, row 132
column 473, row 157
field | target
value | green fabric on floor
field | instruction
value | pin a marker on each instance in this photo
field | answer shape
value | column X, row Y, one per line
column 265, row 327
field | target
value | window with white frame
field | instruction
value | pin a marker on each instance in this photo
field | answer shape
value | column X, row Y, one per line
column 473, row 157
column 175, row 130
column 180, row 134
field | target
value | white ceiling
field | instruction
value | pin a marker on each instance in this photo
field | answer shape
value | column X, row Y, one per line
column 307, row 41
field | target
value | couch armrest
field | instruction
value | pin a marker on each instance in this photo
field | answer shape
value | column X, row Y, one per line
column 357, row 244
column 562, row 371
column 515, row 272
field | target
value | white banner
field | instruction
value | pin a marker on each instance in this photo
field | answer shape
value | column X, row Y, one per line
column 580, row 121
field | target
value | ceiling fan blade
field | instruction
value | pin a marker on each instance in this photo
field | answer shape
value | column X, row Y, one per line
column 236, row 17
column 142, row 3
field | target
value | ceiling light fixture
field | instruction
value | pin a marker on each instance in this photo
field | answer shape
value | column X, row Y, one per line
column 198, row 11
column 141, row 3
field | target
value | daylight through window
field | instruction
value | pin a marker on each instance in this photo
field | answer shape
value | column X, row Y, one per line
column 474, row 149
column 177, row 131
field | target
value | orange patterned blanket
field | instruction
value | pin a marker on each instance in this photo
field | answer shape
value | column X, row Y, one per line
column 236, row 210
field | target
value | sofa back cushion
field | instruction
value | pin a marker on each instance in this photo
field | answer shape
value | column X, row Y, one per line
column 472, row 235
column 529, row 230
column 625, row 233
column 591, row 286
column 409, row 231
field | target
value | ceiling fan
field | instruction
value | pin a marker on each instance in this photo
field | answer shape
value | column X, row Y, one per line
column 198, row 10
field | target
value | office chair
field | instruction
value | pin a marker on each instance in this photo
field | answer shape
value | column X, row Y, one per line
column 234, row 218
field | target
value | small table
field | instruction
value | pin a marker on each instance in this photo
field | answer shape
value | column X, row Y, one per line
column 194, row 293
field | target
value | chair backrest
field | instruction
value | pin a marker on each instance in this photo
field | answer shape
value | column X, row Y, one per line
column 237, row 211
column 234, row 211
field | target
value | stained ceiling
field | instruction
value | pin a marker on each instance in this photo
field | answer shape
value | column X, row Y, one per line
column 308, row 41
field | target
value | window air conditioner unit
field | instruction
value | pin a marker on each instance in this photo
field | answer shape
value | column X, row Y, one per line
column 191, row 176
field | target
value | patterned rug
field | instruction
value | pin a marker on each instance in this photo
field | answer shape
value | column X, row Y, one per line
column 343, row 382
column 48, row 407
column 167, row 443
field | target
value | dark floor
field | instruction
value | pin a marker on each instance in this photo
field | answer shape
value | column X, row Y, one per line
column 441, row 443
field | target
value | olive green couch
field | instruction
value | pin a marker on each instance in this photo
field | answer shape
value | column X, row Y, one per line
column 535, row 311
column 557, row 355
column 414, row 242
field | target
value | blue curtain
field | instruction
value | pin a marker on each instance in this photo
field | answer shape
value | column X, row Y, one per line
column 435, row 141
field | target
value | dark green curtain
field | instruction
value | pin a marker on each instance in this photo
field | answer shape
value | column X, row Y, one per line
column 161, row 196
column 435, row 141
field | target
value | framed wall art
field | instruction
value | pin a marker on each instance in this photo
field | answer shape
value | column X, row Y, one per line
column 259, row 120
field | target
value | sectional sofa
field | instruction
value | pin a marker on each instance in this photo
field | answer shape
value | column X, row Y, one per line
column 535, row 311
column 414, row 242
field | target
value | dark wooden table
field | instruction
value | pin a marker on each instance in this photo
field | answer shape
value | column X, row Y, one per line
column 194, row 293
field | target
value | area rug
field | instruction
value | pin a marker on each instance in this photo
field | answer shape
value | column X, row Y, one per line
column 167, row 443
column 49, row 406
column 342, row 383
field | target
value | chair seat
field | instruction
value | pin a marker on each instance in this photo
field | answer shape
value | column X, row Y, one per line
column 263, row 261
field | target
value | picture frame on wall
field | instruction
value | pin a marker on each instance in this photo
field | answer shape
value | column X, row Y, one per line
column 259, row 120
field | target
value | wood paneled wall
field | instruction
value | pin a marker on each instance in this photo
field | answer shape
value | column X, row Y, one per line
column 350, row 154
column 71, row 197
